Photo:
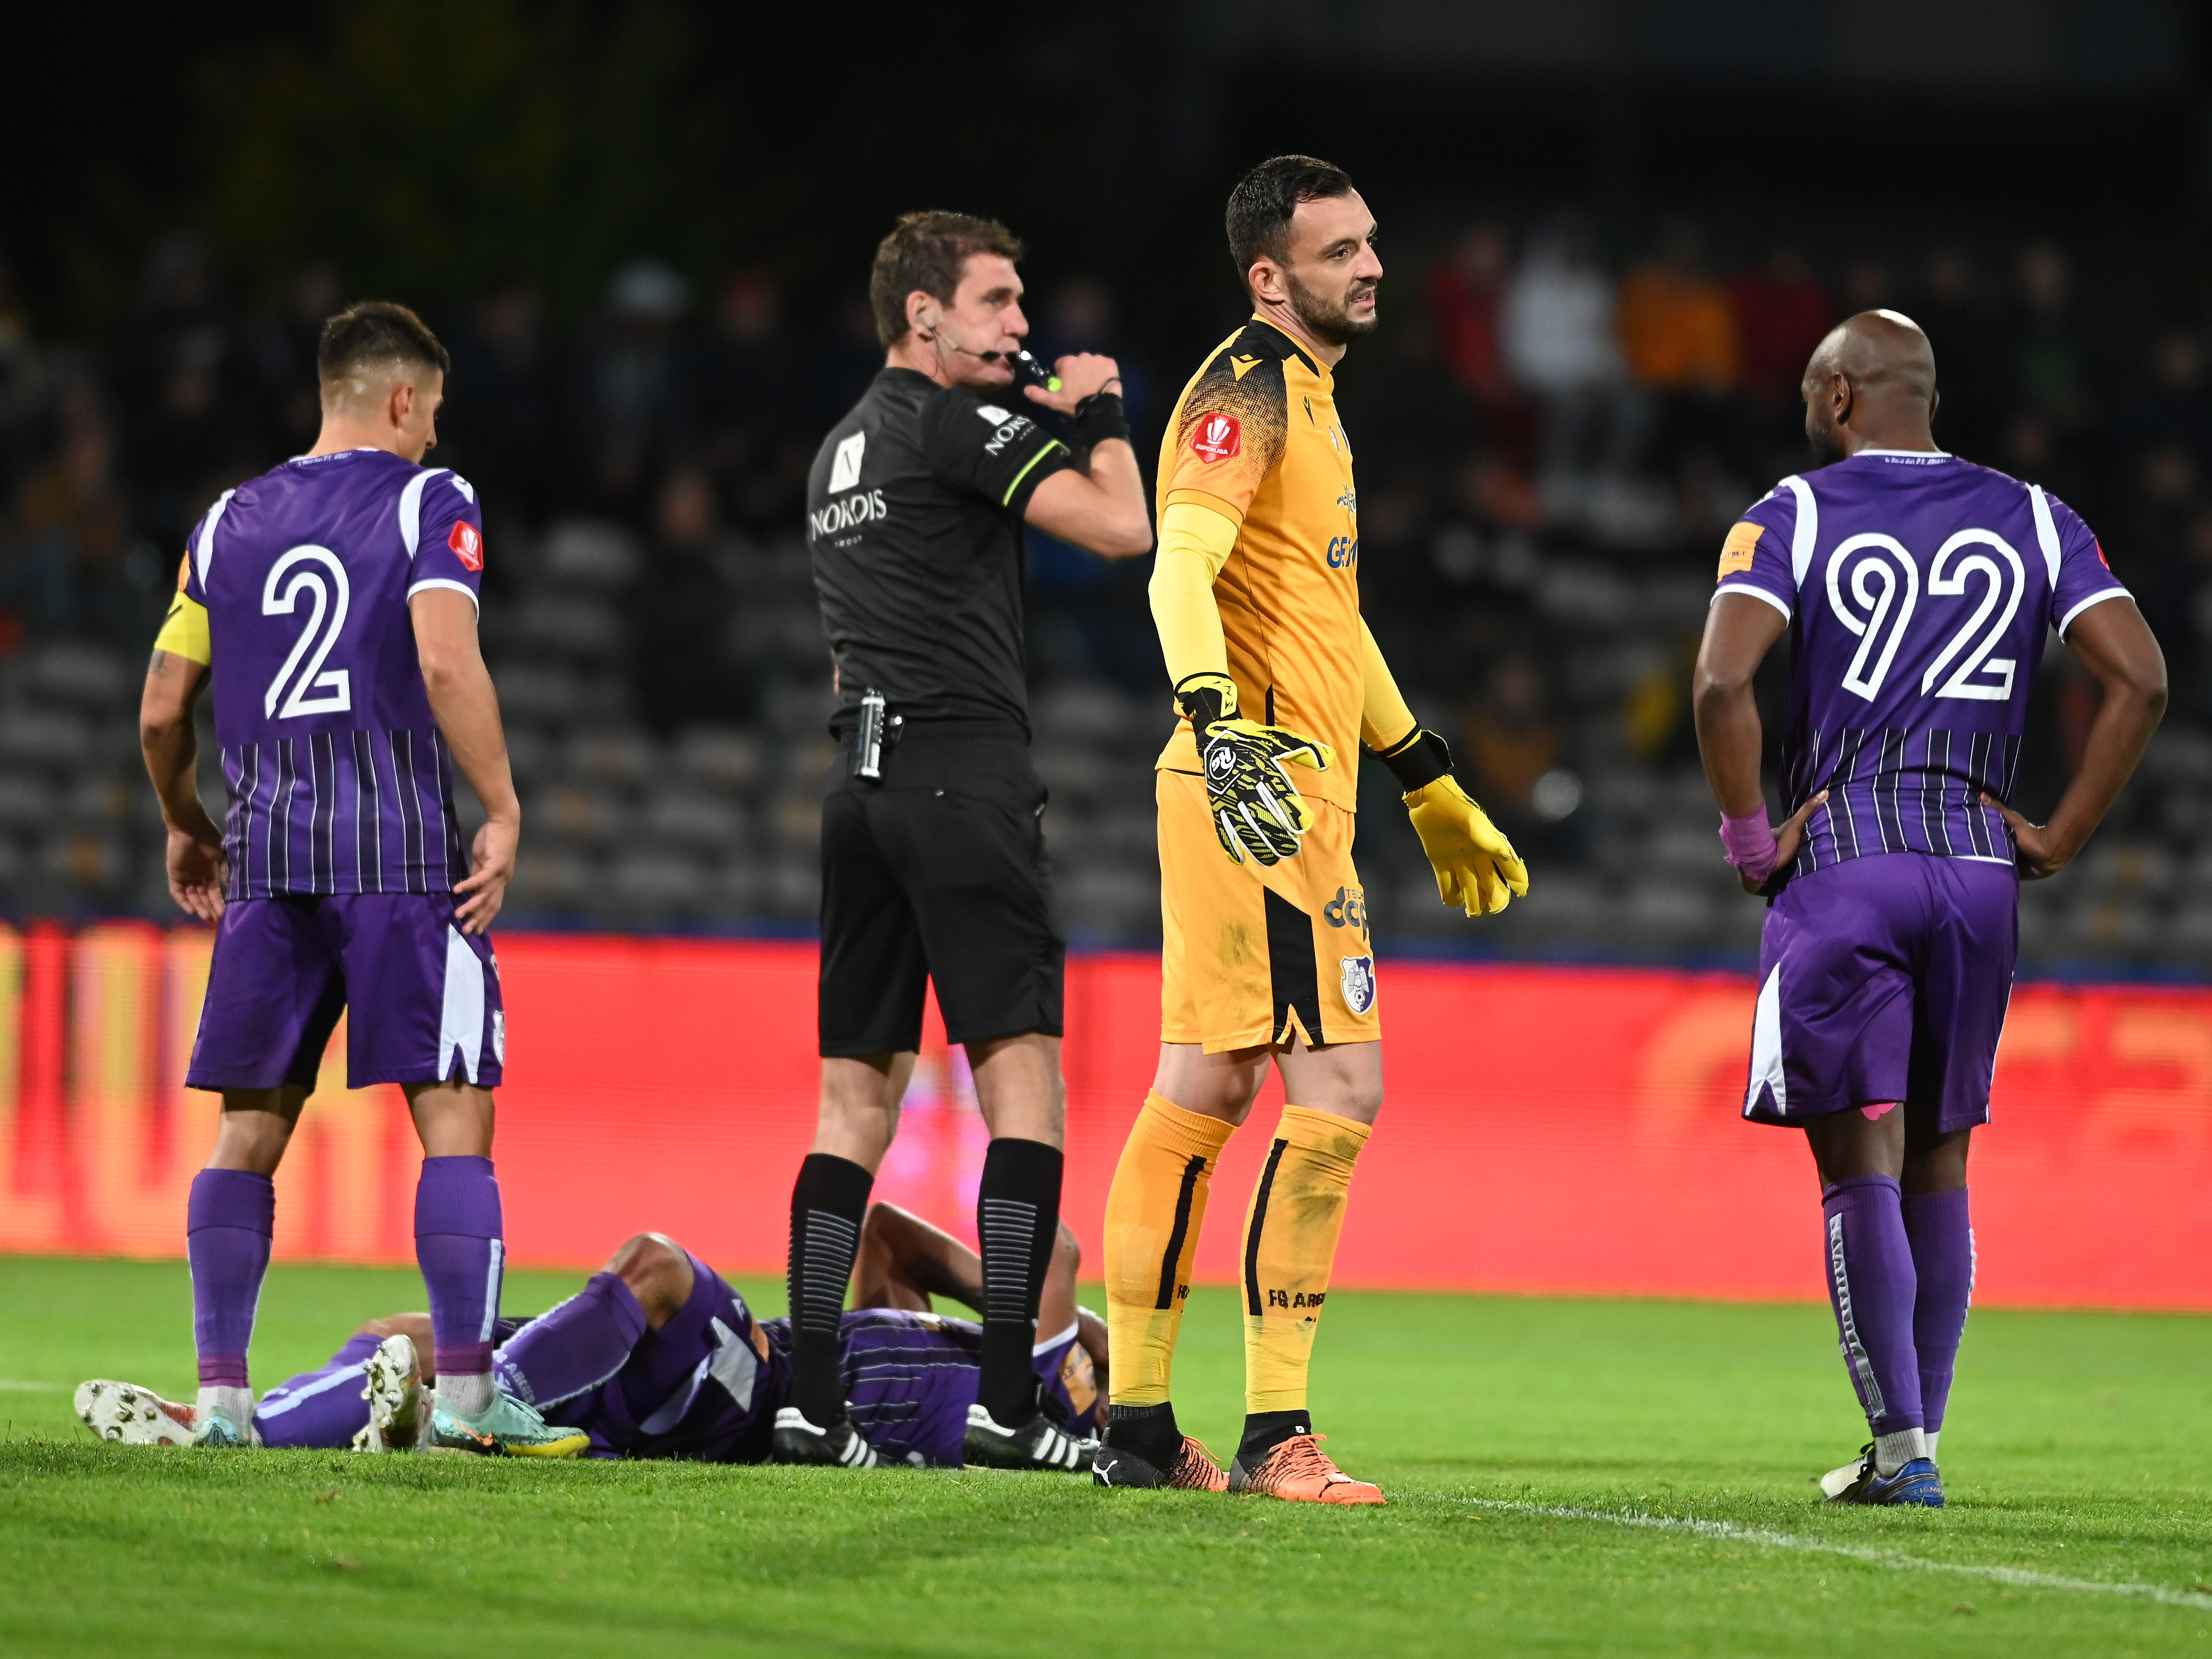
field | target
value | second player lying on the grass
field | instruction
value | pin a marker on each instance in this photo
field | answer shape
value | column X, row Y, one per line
column 658, row 1357
column 1266, row 956
column 1918, row 590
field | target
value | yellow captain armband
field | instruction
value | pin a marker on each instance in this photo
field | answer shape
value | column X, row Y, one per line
column 185, row 633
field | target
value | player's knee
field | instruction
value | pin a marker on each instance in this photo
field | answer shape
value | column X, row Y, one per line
column 649, row 1263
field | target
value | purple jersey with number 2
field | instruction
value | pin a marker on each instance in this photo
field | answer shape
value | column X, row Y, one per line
column 1920, row 589
column 340, row 780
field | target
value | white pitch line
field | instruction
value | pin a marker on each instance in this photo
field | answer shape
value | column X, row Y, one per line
column 14, row 1385
column 1728, row 1532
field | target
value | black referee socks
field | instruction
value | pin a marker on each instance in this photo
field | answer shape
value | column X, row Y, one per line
column 1017, row 1218
column 828, row 1204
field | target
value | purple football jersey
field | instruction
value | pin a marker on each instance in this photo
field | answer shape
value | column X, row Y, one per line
column 1920, row 588
column 340, row 780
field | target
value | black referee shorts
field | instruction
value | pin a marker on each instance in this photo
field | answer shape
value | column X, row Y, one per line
column 937, row 873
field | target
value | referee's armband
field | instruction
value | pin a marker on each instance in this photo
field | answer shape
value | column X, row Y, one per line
column 184, row 632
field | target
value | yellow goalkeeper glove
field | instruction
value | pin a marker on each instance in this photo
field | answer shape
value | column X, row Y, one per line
column 1256, row 809
column 1477, row 869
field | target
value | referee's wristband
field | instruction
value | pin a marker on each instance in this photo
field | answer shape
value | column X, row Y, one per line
column 1418, row 760
column 1101, row 416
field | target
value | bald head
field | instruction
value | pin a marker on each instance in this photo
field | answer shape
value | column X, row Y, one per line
column 1871, row 385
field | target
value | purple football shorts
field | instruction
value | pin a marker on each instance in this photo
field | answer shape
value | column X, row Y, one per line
column 1885, row 979
column 422, row 997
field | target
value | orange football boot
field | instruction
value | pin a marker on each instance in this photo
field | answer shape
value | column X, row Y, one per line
column 1300, row 1471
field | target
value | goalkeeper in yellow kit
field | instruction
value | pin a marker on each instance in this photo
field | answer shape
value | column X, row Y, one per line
column 1265, row 953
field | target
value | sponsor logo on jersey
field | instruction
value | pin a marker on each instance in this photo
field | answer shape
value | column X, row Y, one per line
column 992, row 413
column 845, row 465
column 1357, row 975
column 1343, row 552
column 1216, row 438
column 1347, row 909
column 864, row 507
column 1011, row 427
column 1737, row 551
column 467, row 542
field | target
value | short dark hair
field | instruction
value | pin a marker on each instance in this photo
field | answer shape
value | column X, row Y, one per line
column 374, row 331
column 1261, row 206
column 926, row 250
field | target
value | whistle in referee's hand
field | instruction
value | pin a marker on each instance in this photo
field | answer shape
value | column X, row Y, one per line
column 868, row 738
column 1027, row 371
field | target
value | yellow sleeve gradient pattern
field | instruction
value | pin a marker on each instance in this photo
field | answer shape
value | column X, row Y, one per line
column 185, row 633
column 1384, row 720
column 1195, row 542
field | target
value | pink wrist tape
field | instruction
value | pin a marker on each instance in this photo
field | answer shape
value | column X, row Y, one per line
column 1750, row 843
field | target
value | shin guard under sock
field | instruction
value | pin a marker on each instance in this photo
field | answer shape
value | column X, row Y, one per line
column 1290, row 1245
column 576, row 1346
column 1017, row 1220
column 829, row 1202
column 324, row 1408
column 1941, row 1231
column 1871, row 1285
column 461, row 1245
column 1153, row 1213
column 229, row 1220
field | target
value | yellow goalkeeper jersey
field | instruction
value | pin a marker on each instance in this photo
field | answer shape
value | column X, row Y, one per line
column 1256, row 438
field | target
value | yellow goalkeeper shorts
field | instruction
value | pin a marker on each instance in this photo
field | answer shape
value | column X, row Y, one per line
column 1251, row 956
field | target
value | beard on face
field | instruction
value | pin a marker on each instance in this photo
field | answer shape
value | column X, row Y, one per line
column 1329, row 321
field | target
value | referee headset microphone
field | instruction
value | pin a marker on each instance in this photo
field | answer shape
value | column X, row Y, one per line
column 1027, row 369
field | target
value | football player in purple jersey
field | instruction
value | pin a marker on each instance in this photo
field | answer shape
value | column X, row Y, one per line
column 332, row 605
column 658, row 1356
column 1917, row 590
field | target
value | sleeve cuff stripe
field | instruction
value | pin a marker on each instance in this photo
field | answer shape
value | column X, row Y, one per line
column 1776, row 600
column 1029, row 466
column 2067, row 621
column 441, row 581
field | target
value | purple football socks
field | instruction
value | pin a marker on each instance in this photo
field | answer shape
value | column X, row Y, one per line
column 227, row 1222
column 1942, row 1240
column 326, row 1407
column 1871, row 1285
column 576, row 1346
column 458, row 1242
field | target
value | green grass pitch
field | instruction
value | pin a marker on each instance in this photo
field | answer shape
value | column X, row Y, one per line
column 1546, row 1460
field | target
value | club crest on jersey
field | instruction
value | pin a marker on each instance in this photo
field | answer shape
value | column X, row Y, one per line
column 1357, row 975
column 467, row 542
column 1217, row 437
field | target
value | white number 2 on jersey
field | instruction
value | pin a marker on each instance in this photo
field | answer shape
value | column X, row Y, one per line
column 316, row 572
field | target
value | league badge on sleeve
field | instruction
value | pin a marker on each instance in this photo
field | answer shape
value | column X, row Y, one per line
column 467, row 542
column 1358, row 980
column 1216, row 437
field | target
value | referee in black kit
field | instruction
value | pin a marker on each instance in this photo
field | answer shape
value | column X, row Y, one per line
column 932, row 844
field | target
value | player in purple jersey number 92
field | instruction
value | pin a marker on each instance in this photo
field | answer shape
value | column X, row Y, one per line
column 331, row 605
column 1917, row 590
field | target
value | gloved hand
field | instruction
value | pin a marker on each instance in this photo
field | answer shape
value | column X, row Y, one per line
column 1476, row 866
column 1257, row 810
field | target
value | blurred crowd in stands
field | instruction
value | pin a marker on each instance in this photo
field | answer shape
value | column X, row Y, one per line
column 1552, row 439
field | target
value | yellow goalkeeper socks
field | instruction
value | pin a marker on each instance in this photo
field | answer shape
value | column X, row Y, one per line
column 1289, row 1244
column 1153, row 1211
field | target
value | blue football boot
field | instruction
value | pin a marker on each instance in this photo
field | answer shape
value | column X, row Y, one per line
column 1918, row 1483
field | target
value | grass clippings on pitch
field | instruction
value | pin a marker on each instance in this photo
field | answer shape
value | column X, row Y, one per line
column 1566, row 1477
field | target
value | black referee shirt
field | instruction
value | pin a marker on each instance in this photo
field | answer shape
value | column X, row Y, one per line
column 914, row 515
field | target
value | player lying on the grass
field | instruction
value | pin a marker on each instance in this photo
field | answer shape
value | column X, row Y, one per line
column 658, row 1357
column 1893, row 882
